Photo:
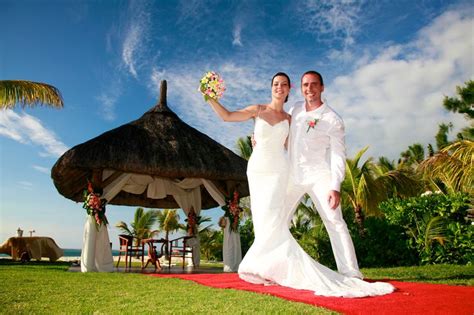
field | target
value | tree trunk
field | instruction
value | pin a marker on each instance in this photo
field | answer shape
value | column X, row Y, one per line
column 359, row 219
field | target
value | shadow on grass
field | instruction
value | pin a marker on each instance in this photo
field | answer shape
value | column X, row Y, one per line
column 35, row 263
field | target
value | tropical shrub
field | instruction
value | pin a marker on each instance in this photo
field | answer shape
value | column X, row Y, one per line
column 315, row 242
column 247, row 235
column 436, row 226
column 382, row 245
column 211, row 244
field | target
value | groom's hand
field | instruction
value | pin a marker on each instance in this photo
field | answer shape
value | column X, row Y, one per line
column 334, row 199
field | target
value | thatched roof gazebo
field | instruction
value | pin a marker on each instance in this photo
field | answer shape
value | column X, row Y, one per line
column 158, row 145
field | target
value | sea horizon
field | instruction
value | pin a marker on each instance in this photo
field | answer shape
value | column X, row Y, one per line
column 71, row 252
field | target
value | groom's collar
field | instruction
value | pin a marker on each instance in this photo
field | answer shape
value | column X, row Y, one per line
column 318, row 110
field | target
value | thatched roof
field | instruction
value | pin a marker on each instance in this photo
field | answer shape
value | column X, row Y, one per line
column 159, row 144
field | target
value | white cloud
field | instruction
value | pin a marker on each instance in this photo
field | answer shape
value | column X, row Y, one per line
column 137, row 32
column 42, row 169
column 395, row 99
column 108, row 99
column 237, row 41
column 247, row 83
column 134, row 51
column 130, row 49
column 332, row 19
column 28, row 129
column 193, row 12
column 25, row 185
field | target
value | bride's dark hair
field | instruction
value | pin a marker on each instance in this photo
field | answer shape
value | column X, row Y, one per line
column 283, row 74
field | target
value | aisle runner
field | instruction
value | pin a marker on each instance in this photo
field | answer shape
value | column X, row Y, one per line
column 410, row 298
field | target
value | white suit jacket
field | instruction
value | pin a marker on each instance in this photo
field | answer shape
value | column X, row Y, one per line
column 316, row 149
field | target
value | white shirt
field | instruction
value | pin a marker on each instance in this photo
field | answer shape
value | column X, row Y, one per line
column 316, row 149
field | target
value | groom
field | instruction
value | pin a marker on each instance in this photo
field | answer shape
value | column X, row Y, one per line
column 317, row 167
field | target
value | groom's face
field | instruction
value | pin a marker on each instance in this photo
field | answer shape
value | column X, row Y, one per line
column 311, row 88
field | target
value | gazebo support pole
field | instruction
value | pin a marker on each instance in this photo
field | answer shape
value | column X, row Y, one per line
column 97, row 179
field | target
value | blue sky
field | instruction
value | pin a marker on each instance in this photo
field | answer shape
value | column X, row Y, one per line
column 387, row 66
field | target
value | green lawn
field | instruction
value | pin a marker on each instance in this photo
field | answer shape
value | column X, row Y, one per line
column 48, row 288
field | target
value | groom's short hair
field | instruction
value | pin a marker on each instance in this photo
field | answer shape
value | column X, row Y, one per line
column 314, row 73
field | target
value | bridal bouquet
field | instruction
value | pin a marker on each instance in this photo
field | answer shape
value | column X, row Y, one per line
column 95, row 206
column 212, row 86
column 232, row 211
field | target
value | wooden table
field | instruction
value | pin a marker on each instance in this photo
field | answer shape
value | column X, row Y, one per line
column 153, row 254
column 35, row 246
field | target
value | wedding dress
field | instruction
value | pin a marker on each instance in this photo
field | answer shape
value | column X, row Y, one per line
column 275, row 257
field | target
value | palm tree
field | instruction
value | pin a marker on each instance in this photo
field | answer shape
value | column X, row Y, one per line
column 442, row 135
column 28, row 93
column 245, row 147
column 211, row 243
column 413, row 156
column 200, row 220
column 367, row 185
column 463, row 104
column 362, row 189
column 399, row 180
column 168, row 221
column 305, row 218
column 141, row 227
column 453, row 166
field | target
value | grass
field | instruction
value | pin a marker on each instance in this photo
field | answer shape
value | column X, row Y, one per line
column 47, row 288
column 441, row 274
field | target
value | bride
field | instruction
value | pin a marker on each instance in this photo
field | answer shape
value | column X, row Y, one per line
column 275, row 257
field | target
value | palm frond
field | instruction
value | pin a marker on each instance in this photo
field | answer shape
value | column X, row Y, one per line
column 435, row 231
column 123, row 227
column 453, row 165
column 404, row 181
column 28, row 93
column 245, row 147
column 359, row 155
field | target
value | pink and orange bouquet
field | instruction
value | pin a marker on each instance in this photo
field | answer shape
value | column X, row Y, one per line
column 193, row 221
column 95, row 206
column 233, row 211
column 212, row 86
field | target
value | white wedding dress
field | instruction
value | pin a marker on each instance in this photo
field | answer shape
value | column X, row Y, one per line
column 275, row 257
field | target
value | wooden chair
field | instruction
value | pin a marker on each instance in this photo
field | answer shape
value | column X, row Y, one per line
column 128, row 246
column 179, row 247
column 154, row 255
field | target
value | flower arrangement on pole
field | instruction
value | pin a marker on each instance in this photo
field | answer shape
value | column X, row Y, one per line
column 95, row 206
column 233, row 211
column 192, row 221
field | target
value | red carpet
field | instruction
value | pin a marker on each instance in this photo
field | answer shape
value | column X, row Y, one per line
column 410, row 298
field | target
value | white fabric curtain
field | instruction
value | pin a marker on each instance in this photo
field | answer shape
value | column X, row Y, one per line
column 231, row 251
column 187, row 194
column 96, row 254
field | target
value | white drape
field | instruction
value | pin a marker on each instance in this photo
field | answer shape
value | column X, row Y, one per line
column 96, row 254
column 231, row 251
column 187, row 194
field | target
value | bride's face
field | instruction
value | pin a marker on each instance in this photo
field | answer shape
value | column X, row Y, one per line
column 280, row 87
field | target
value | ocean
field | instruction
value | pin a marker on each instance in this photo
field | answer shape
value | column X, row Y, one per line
column 71, row 252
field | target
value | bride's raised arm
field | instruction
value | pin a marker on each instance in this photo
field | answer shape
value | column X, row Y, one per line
column 238, row 115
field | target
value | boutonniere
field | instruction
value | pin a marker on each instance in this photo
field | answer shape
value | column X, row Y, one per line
column 311, row 124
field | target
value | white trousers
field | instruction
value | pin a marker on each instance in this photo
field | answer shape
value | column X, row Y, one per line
column 341, row 241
